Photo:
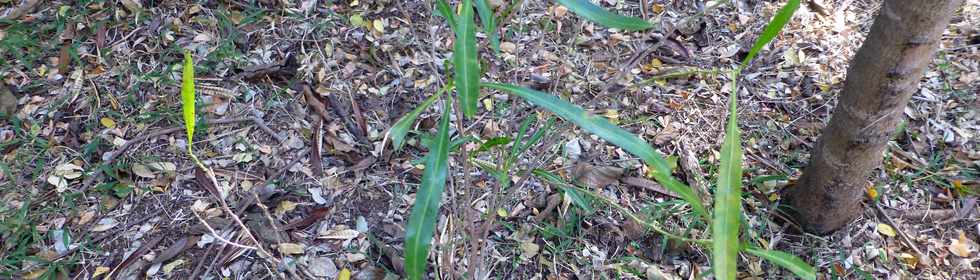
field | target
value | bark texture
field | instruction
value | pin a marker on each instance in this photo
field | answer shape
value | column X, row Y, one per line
column 880, row 80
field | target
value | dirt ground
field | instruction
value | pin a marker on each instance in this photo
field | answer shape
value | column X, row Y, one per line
column 295, row 98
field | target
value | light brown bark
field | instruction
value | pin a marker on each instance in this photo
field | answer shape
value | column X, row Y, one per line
column 880, row 80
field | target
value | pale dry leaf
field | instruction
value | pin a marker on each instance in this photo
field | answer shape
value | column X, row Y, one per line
column 323, row 267
column 86, row 217
column 508, row 47
column 285, row 207
column 164, row 166
column 529, row 249
column 105, row 224
column 169, row 268
column 59, row 183
column 143, row 171
column 339, row 233
column 199, row 206
column 886, row 230
column 68, row 170
column 291, row 248
column 962, row 246
column 99, row 271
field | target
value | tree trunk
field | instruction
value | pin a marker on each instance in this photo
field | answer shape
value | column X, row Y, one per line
column 880, row 80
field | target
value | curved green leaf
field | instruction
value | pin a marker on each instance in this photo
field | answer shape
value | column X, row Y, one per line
column 445, row 11
column 425, row 212
column 464, row 58
column 787, row 261
column 728, row 200
column 187, row 97
column 400, row 129
column 489, row 24
column 772, row 29
column 589, row 11
column 660, row 168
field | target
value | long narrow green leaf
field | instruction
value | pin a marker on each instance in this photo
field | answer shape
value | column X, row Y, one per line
column 589, row 11
column 400, row 129
column 787, row 261
column 187, row 97
column 728, row 200
column 660, row 169
column 464, row 58
column 447, row 12
column 421, row 223
column 772, row 29
column 728, row 195
column 489, row 24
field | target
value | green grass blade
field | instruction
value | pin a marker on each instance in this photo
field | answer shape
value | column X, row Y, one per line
column 577, row 198
column 589, row 11
column 536, row 137
column 489, row 24
column 787, row 261
column 447, row 12
column 728, row 200
column 465, row 60
column 772, row 29
column 425, row 212
column 187, row 97
column 728, row 195
column 398, row 131
column 660, row 168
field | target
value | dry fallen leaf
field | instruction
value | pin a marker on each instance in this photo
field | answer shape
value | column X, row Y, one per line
column 344, row 275
column 291, row 248
column 99, row 271
column 886, row 230
column 962, row 246
column 105, row 224
column 107, row 122
column 508, row 47
column 143, row 171
column 529, row 249
column 596, row 176
column 59, row 183
column 169, row 268
column 339, row 233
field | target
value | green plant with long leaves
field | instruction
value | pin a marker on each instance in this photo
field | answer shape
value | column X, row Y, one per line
column 725, row 218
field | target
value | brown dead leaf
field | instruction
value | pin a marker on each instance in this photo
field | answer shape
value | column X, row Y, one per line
column 596, row 176
column 313, row 217
column 175, row 249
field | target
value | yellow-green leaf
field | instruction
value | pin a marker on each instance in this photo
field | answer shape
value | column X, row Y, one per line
column 187, row 97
